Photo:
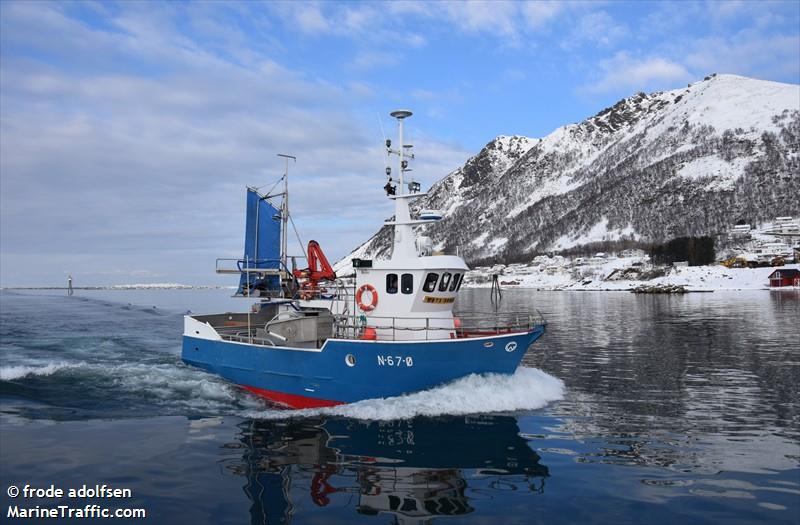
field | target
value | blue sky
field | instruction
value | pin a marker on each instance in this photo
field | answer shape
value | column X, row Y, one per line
column 129, row 130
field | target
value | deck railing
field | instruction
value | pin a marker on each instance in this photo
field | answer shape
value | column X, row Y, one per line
column 255, row 266
column 465, row 325
column 471, row 324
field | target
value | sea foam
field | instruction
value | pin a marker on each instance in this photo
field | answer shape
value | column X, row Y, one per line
column 526, row 389
column 10, row 373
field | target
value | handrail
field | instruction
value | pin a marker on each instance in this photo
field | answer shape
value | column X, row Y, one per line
column 469, row 325
column 331, row 292
column 239, row 338
column 392, row 328
column 252, row 265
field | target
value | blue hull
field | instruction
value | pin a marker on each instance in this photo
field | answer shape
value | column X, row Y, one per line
column 305, row 378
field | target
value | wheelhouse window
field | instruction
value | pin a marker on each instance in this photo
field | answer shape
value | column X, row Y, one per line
column 456, row 282
column 430, row 282
column 445, row 281
column 391, row 283
column 406, row 283
column 460, row 281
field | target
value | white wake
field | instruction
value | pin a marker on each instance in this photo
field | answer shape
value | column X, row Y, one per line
column 526, row 389
column 10, row 373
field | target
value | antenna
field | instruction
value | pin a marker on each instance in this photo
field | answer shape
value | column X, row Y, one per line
column 404, row 248
column 402, row 151
column 285, row 210
column 385, row 156
column 380, row 123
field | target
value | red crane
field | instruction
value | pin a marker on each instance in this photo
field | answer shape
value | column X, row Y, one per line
column 319, row 269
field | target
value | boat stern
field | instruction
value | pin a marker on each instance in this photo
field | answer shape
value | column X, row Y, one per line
column 196, row 334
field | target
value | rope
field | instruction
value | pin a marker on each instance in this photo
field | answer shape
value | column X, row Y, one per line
column 258, row 188
column 297, row 235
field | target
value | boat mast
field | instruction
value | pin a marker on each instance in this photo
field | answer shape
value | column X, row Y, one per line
column 400, row 115
column 285, row 209
column 403, row 234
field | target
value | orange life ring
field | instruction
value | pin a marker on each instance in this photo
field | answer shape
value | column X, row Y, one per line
column 373, row 303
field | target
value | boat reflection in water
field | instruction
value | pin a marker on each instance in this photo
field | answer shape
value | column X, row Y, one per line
column 415, row 470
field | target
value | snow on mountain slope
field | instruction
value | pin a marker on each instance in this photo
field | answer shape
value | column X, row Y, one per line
column 691, row 161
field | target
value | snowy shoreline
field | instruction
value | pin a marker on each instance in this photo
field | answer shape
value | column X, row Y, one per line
column 610, row 276
column 603, row 276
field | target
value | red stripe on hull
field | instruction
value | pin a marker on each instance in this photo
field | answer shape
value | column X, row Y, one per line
column 291, row 400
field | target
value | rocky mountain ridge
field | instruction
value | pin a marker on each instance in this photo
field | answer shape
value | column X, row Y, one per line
column 691, row 161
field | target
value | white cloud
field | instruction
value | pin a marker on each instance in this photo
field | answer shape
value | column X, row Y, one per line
column 755, row 39
column 362, row 90
column 310, row 19
column 728, row 8
column 128, row 139
column 539, row 14
column 409, row 7
column 477, row 16
column 358, row 18
column 506, row 20
column 623, row 72
column 395, row 22
column 747, row 54
column 596, row 28
column 117, row 166
column 374, row 59
column 414, row 40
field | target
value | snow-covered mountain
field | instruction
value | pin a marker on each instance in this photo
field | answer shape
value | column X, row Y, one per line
column 692, row 161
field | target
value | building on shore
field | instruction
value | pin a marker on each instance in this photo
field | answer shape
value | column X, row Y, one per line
column 784, row 277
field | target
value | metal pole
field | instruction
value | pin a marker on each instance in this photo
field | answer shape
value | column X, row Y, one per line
column 402, row 152
column 258, row 209
column 403, row 234
column 285, row 211
column 247, row 274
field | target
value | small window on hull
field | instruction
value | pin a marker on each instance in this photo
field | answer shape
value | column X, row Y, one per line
column 445, row 281
column 391, row 283
column 430, row 282
column 456, row 282
column 407, row 283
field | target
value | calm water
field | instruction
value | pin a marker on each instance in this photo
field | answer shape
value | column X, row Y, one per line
column 674, row 409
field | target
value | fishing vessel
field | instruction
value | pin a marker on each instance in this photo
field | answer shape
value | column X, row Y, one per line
column 313, row 339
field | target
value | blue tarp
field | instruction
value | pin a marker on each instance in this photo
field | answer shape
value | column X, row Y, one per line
column 262, row 243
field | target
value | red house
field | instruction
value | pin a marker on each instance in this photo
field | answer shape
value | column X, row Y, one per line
column 784, row 278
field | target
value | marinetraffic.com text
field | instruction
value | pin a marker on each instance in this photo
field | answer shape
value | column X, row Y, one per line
column 31, row 502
